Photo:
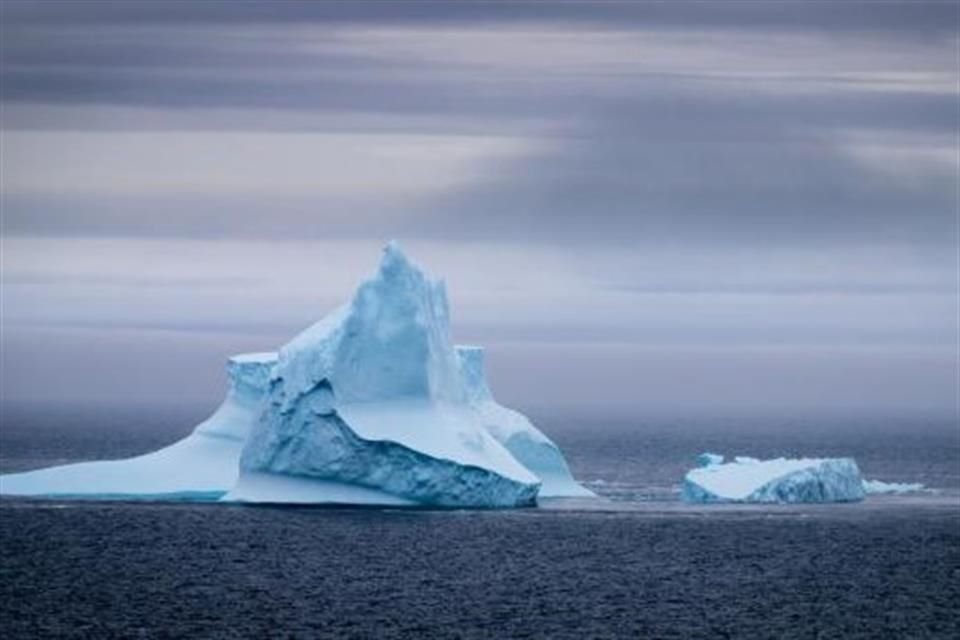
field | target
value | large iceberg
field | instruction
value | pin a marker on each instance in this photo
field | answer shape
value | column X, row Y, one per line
column 373, row 396
column 780, row 480
column 371, row 405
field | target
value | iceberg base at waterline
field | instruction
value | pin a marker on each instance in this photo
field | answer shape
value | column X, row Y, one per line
column 879, row 487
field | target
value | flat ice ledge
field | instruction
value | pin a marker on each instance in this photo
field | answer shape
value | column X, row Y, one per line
column 201, row 467
column 783, row 480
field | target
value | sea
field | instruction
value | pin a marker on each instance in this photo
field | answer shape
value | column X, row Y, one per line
column 636, row 564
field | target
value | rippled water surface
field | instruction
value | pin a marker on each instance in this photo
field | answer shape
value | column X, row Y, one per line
column 638, row 565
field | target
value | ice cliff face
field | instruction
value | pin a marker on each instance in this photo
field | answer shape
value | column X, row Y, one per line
column 308, row 439
column 780, row 480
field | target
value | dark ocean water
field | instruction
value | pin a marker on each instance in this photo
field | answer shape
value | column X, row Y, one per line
column 640, row 565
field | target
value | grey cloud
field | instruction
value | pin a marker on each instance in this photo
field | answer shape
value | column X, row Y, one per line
column 693, row 169
column 432, row 67
column 923, row 16
column 669, row 163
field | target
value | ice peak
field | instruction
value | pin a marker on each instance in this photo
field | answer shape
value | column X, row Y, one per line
column 394, row 263
column 391, row 341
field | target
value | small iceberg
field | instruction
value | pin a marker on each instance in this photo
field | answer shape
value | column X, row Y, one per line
column 879, row 487
column 783, row 480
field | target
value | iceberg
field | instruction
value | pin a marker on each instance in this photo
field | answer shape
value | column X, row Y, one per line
column 202, row 466
column 879, row 487
column 373, row 404
column 781, row 480
column 373, row 396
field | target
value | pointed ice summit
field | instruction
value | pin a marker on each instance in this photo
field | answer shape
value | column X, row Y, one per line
column 371, row 405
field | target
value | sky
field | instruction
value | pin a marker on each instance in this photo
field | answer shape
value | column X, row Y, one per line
column 690, row 206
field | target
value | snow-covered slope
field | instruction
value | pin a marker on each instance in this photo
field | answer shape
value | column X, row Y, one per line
column 780, row 480
column 202, row 466
column 372, row 396
column 514, row 431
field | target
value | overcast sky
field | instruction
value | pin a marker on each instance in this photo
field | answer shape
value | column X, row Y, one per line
column 695, row 205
